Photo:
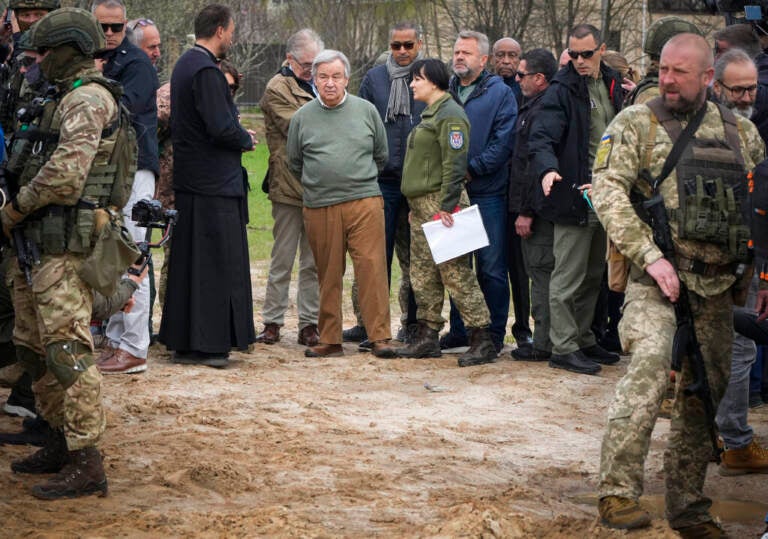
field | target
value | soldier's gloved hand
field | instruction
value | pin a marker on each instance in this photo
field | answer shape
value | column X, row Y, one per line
column 9, row 217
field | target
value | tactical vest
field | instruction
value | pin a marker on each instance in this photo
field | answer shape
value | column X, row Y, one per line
column 712, row 185
column 54, row 228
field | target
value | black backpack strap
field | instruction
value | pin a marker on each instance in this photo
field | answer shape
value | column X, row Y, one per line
column 680, row 140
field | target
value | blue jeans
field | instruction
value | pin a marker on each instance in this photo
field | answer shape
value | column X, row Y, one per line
column 394, row 203
column 491, row 265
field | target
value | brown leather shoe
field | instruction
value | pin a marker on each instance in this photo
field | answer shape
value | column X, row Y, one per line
column 123, row 362
column 107, row 353
column 309, row 336
column 324, row 350
column 383, row 349
column 270, row 335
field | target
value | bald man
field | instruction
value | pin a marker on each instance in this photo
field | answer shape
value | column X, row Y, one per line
column 648, row 326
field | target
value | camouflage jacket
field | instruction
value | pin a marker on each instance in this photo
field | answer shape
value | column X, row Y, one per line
column 620, row 158
column 82, row 114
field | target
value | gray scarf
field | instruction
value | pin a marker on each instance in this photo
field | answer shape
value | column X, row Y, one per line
column 399, row 103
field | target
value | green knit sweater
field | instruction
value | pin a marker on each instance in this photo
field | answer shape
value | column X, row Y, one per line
column 337, row 152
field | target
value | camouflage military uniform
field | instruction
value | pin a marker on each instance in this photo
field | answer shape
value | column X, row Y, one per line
column 648, row 324
column 53, row 314
column 164, row 185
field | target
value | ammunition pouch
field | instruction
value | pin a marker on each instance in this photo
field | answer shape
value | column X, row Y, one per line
column 113, row 252
column 67, row 360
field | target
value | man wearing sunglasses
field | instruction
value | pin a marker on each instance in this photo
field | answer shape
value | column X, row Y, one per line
column 582, row 99
column 387, row 87
column 128, row 333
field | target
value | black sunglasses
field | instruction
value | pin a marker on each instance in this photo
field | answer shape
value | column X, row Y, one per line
column 584, row 54
column 407, row 45
column 523, row 75
column 116, row 27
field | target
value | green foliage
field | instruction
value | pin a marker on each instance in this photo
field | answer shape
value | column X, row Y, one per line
column 259, row 208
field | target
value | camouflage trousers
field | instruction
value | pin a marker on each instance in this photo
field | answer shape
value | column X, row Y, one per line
column 54, row 342
column 430, row 280
column 647, row 329
column 403, row 252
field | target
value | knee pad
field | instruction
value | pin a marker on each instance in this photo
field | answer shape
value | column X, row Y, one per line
column 67, row 360
column 32, row 362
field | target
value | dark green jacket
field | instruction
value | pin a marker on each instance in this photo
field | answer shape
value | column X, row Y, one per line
column 436, row 158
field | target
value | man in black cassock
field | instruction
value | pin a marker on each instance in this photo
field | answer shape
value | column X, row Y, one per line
column 208, row 308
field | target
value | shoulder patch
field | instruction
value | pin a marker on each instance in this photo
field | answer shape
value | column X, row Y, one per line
column 603, row 154
column 456, row 137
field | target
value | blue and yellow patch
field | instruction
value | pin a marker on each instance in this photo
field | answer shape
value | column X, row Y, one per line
column 603, row 154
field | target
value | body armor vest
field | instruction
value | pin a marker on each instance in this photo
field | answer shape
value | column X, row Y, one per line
column 54, row 228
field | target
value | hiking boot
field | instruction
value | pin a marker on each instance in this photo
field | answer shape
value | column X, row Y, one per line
column 452, row 340
column 354, row 334
column 406, row 334
column 271, row 334
column 122, row 362
column 705, row 530
column 308, row 335
column 481, row 349
column 50, row 459
column 598, row 354
column 34, row 431
column 622, row 513
column 424, row 343
column 83, row 475
column 383, row 349
column 106, row 353
column 324, row 350
column 743, row 460
column 574, row 362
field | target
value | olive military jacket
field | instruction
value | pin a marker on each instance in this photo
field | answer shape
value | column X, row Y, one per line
column 436, row 158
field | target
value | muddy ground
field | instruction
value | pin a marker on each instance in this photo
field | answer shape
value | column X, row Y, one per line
column 280, row 445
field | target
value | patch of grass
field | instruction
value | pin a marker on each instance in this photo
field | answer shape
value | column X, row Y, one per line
column 259, row 208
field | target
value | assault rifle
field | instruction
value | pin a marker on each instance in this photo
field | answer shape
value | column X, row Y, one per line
column 685, row 344
column 27, row 253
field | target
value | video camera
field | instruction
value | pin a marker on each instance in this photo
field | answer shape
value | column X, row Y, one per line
column 742, row 11
column 150, row 214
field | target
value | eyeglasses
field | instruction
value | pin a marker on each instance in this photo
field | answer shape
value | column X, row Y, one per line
column 584, row 54
column 306, row 66
column 739, row 91
column 142, row 23
column 508, row 54
column 397, row 45
column 116, row 27
column 523, row 75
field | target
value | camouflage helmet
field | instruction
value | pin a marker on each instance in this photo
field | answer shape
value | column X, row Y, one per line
column 662, row 30
column 50, row 5
column 68, row 25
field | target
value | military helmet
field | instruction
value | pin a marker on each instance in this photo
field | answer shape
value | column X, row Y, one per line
column 68, row 25
column 662, row 30
column 50, row 5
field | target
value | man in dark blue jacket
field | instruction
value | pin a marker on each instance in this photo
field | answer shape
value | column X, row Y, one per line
column 492, row 111
column 575, row 110
column 387, row 87
column 128, row 333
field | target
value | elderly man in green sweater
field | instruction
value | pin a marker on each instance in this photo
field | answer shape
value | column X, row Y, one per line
column 337, row 146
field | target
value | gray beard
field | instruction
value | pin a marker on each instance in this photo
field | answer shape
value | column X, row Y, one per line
column 743, row 112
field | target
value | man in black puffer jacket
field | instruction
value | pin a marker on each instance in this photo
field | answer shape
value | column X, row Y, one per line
column 565, row 141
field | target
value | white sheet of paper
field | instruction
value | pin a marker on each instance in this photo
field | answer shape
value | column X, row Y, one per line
column 466, row 235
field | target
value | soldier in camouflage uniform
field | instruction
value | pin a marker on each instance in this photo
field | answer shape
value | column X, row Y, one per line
column 53, row 309
column 439, row 146
column 658, row 34
column 649, row 324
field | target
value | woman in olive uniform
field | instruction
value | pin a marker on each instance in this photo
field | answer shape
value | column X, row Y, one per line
column 433, row 181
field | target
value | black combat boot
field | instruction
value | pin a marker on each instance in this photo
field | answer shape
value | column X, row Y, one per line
column 481, row 349
column 50, row 459
column 83, row 475
column 34, row 431
column 425, row 342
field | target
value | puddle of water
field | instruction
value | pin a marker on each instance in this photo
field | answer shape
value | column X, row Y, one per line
column 727, row 510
